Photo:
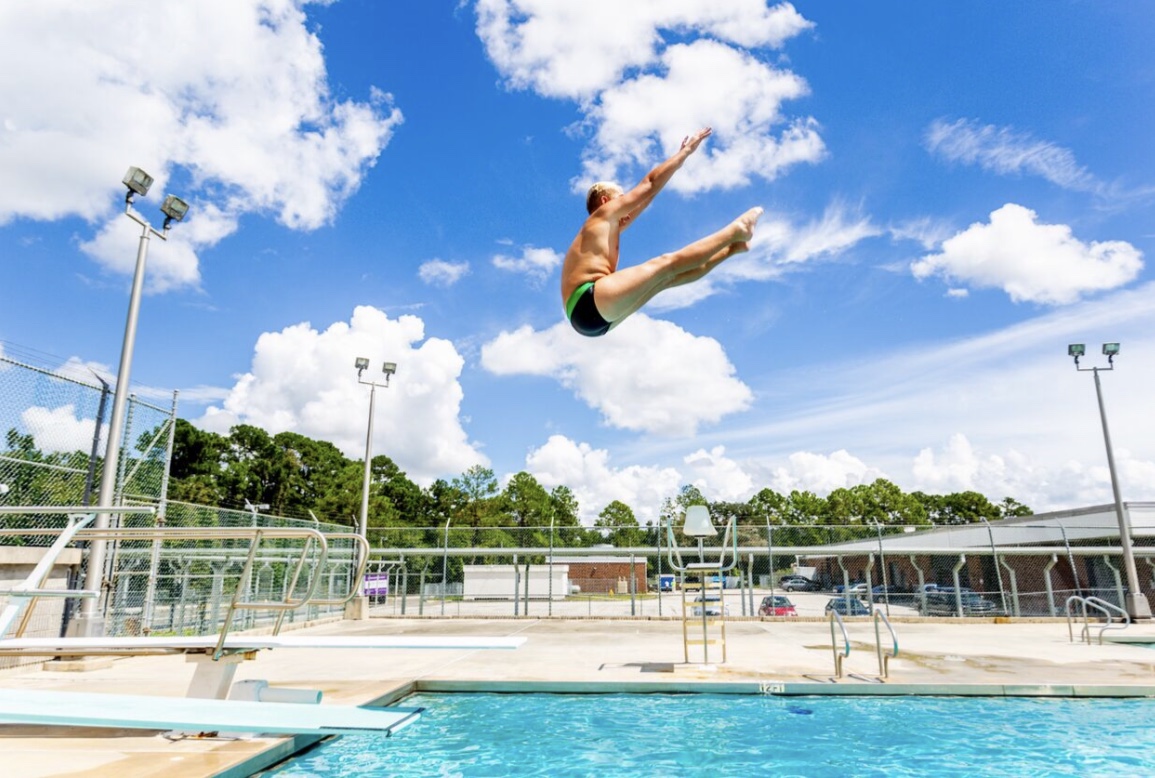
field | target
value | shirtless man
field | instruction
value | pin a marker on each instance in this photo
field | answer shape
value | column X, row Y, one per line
column 592, row 258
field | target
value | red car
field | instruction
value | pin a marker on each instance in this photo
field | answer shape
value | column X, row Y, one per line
column 776, row 605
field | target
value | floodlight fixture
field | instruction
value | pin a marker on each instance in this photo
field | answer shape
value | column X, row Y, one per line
column 1076, row 350
column 361, row 364
column 174, row 210
column 137, row 182
column 1110, row 349
column 389, row 368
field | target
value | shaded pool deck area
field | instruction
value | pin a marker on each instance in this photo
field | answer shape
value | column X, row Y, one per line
column 973, row 656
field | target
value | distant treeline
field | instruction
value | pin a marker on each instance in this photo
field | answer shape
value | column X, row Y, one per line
column 299, row 477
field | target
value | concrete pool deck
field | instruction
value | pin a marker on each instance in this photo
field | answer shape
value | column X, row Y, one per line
column 770, row 656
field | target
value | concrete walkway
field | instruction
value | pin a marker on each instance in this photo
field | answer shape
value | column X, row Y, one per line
column 941, row 656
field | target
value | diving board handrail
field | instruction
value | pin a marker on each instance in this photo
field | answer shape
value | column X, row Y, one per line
column 313, row 545
column 22, row 597
column 362, row 562
column 1100, row 605
column 832, row 618
column 309, row 536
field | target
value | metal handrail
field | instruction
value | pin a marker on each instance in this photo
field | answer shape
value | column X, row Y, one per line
column 833, row 617
column 884, row 659
column 311, row 539
column 1099, row 604
column 64, row 509
column 27, row 592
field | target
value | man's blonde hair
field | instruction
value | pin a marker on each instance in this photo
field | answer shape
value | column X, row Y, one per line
column 596, row 191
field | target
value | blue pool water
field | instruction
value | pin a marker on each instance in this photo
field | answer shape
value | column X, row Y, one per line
column 731, row 735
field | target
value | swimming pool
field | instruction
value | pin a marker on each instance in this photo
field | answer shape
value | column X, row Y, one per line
column 724, row 735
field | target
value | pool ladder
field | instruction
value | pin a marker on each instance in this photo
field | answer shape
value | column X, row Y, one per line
column 706, row 579
column 1093, row 603
column 839, row 655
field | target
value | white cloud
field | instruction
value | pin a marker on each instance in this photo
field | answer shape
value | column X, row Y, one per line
column 642, row 96
column 646, row 375
column 926, row 231
column 58, row 430
column 646, row 118
column 1007, row 151
column 245, row 125
column 959, row 466
column 821, row 473
column 437, row 272
column 595, row 483
column 302, row 380
column 575, row 51
column 717, row 476
column 1030, row 261
column 534, row 263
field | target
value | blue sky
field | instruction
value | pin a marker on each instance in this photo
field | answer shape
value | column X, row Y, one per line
column 953, row 192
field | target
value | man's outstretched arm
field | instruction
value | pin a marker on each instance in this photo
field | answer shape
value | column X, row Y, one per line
column 633, row 202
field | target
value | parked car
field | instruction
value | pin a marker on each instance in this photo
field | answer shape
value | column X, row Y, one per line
column 714, row 606
column 943, row 602
column 776, row 605
column 856, row 587
column 892, row 593
column 856, row 606
column 797, row 583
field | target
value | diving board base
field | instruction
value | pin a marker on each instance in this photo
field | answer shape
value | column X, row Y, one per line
column 80, row 709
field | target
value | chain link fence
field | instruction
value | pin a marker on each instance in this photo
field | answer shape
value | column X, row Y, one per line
column 55, row 429
column 1005, row 569
column 184, row 581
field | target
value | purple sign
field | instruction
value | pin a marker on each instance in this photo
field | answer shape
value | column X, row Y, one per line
column 375, row 585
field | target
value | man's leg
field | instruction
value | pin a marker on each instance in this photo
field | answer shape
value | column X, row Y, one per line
column 689, row 276
column 625, row 291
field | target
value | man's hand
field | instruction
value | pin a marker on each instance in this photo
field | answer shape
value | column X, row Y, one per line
column 691, row 142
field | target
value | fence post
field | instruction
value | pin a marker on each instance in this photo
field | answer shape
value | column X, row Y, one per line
column 633, row 586
column 516, row 585
column 1050, row 588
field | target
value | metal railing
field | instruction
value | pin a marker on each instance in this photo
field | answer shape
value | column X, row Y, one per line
column 258, row 574
column 1086, row 604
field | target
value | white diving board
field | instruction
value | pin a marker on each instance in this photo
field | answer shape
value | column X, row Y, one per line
column 78, row 646
column 76, row 709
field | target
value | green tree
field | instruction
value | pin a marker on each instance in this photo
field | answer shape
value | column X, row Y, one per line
column 967, row 508
column 1010, row 507
column 622, row 526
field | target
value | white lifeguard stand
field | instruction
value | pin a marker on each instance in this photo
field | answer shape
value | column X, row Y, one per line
column 705, row 579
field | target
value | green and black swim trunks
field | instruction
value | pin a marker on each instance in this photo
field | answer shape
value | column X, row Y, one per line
column 583, row 314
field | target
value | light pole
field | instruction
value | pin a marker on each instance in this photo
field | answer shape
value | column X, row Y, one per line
column 255, row 510
column 1137, row 605
column 388, row 368
column 174, row 209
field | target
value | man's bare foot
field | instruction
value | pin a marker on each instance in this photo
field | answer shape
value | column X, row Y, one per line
column 737, row 248
column 744, row 225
